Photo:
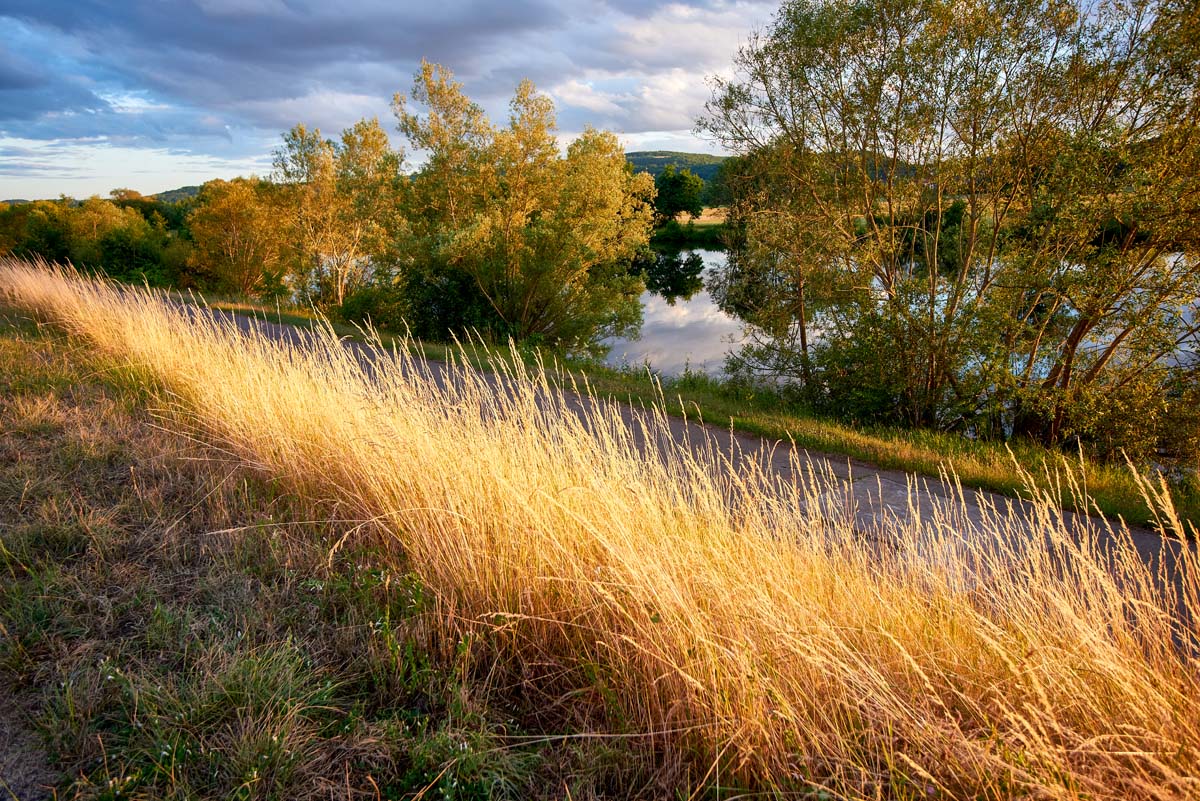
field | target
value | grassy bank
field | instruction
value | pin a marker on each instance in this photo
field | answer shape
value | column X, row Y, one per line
column 1113, row 490
column 1006, row 468
column 731, row 630
column 176, row 627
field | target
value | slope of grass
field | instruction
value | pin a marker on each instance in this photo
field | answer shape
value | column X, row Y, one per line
column 736, row 628
column 1007, row 468
column 179, row 628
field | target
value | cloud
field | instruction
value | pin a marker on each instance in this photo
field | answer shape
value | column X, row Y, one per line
column 18, row 73
column 74, row 167
column 326, row 109
column 582, row 95
column 687, row 335
column 243, row 8
column 684, row 36
column 217, row 77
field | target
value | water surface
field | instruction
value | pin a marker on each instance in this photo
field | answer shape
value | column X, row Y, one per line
column 690, row 333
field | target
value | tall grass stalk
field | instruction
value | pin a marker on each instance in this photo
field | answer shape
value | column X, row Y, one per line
column 737, row 624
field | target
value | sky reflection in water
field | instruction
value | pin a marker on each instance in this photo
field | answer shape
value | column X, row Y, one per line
column 691, row 334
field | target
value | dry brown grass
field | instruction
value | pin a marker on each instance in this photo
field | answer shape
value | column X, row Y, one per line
column 717, row 613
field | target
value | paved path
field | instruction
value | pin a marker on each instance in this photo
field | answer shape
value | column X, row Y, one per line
column 883, row 502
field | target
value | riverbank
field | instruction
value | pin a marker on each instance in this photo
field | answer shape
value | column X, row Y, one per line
column 707, row 234
column 174, row 626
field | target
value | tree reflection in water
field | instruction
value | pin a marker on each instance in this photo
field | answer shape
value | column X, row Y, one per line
column 674, row 275
column 682, row 329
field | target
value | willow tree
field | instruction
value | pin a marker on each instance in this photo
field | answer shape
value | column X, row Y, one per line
column 544, row 238
column 994, row 205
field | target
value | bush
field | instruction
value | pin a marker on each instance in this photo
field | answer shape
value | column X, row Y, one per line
column 379, row 305
column 132, row 255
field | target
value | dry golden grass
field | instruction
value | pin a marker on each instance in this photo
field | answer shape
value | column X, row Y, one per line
column 738, row 624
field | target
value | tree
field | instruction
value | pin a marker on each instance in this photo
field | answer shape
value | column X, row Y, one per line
column 676, row 192
column 369, row 186
column 236, row 228
column 545, row 240
column 671, row 275
column 342, row 202
column 999, row 204
column 721, row 189
column 43, row 230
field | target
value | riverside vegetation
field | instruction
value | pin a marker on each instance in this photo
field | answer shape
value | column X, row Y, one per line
column 501, row 599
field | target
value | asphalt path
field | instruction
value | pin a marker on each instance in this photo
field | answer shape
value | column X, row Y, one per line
column 887, row 505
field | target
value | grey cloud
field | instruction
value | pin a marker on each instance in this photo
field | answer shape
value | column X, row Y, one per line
column 224, row 76
column 17, row 73
column 243, row 56
column 32, row 103
column 243, row 64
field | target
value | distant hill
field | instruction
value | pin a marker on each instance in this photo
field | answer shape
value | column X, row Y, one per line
column 176, row 195
column 655, row 161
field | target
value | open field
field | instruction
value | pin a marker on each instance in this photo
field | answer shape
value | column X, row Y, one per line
column 1005, row 468
column 719, row 624
column 710, row 215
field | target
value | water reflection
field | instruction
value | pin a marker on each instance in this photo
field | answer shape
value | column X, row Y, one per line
column 682, row 328
column 672, row 276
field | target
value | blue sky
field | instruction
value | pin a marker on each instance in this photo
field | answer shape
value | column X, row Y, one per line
column 155, row 94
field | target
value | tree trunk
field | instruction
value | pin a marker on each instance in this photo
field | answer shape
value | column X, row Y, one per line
column 805, row 363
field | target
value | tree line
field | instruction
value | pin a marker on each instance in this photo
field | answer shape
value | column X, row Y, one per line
column 973, row 215
column 497, row 232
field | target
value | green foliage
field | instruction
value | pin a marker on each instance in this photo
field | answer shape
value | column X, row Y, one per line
column 545, row 239
column 671, row 274
column 170, row 215
column 982, row 232
column 654, row 162
column 127, row 239
column 677, row 192
column 237, row 229
column 382, row 306
column 720, row 189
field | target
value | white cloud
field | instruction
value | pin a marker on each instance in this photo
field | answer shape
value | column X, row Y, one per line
column 671, row 100
column 686, row 37
column 84, row 168
column 578, row 94
column 685, row 141
column 329, row 110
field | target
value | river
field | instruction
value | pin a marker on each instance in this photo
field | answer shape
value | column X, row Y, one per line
column 682, row 329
